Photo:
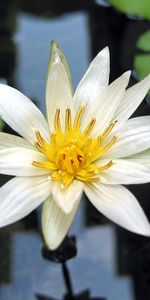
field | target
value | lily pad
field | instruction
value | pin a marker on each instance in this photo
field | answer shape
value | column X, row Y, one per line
column 141, row 61
column 143, row 42
column 142, row 65
column 139, row 8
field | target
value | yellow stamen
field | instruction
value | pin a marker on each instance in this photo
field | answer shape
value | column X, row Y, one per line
column 89, row 127
column 106, row 167
column 45, row 165
column 78, row 117
column 109, row 145
column 68, row 119
column 108, row 130
column 57, row 121
column 72, row 153
column 39, row 138
column 104, row 148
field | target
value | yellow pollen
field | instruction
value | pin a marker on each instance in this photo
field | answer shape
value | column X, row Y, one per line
column 72, row 153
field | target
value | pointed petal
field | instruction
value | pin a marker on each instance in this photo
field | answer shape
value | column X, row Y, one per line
column 132, row 99
column 17, row 161
column 55, row 223
column 58, row 85
column 109, row 101
column 142, row 158
column 124, row 171
column 134, row 137
column 67, row 197
column 9, row 140
column 20, row 196
column 94, row 81
column 120, row 206
column 104, row 107
column 21, row 114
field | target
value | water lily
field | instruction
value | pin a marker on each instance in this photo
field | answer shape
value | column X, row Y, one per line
column 86, row 144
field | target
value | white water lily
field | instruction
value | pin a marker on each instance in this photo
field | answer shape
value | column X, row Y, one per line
column 88, row 143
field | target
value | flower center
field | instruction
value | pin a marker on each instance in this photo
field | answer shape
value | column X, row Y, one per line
column 73, row 153
column 70, row 159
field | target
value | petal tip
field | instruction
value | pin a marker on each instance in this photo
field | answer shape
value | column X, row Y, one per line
column 144, row 227
column 65, row 208
column 54, row 45
column 104, row 52
column 126, row 77
column 146, row 232
column 55, row 51
column 51, row 245
column 146, row 80
column 147, row 77
column 127, row 73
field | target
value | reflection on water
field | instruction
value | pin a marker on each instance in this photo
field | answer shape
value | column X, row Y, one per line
column 33, row 40
column 109, row 262
column 94, row 268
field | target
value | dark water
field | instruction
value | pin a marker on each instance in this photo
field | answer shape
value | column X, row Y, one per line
column 108, row 263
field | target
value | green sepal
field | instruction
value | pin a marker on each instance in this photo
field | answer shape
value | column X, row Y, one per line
column 56, row 52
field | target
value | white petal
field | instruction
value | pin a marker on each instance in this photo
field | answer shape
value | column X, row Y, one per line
column 124, row 171
column 20, row 196
column 132, row 99
column 58, row 86
column 55, row 223
column 18, row 161
column 109, row 101
column 120, row 206
column 67, row 197
column 133, row 137
column 141, row 158
column 21, row 114
column 94, row 81
column 104, row 106
column 9, row 140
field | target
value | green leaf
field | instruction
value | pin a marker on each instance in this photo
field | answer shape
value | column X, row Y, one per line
column 143, row 42
column 142, row 65
column 139, row 8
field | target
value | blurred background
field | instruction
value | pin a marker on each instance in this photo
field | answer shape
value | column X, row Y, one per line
column 108, row 262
